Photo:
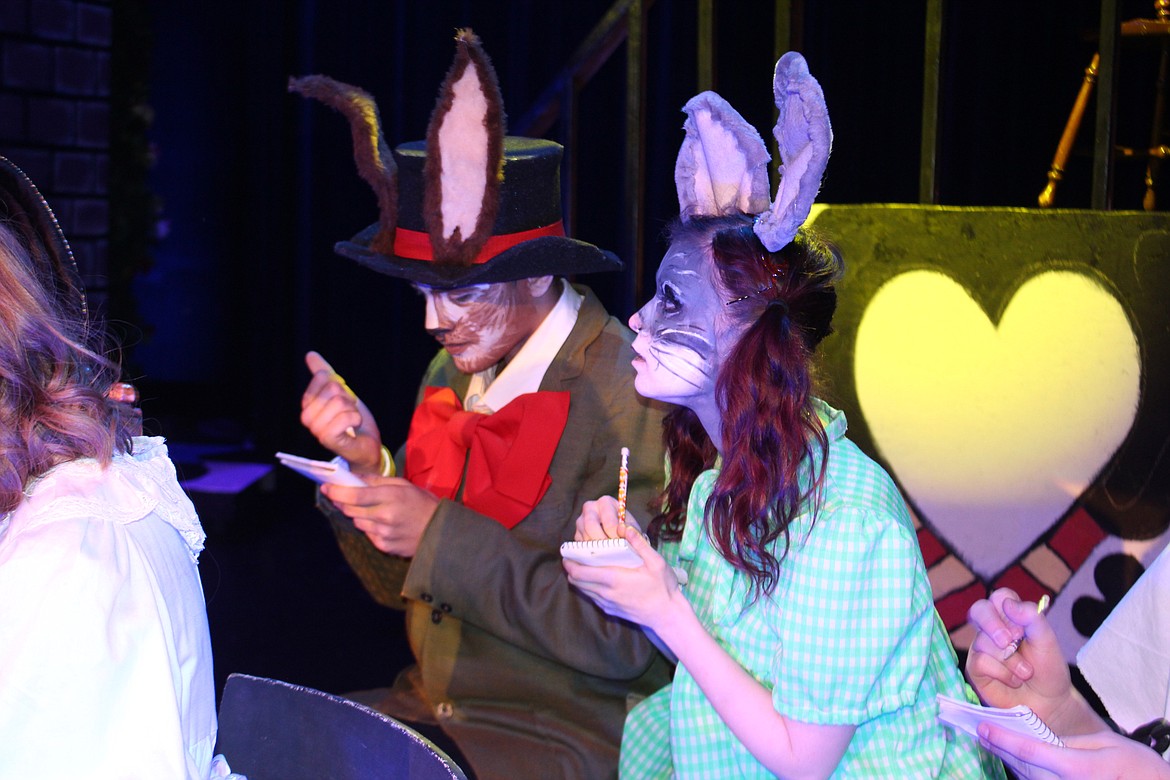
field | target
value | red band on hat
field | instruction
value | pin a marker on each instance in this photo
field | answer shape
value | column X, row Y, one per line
column 416, row 245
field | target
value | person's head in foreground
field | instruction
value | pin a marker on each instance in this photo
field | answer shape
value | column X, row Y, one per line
column 105, row 656
column 54, row 378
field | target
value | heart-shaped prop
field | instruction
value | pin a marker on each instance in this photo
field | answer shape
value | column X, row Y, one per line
column 994, row 431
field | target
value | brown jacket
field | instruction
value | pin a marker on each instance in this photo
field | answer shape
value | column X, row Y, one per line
column 528, row 677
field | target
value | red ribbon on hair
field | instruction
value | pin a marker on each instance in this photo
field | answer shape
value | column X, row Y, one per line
column 416, row 245
column 507, row 454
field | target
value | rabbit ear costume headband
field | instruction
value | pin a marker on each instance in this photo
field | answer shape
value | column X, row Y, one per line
column 469, row 205
column 722, row 166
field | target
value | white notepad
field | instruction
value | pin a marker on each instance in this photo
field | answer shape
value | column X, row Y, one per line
column 602, row 552
column 610, row 552
column 1020, row 719
column 320, row 471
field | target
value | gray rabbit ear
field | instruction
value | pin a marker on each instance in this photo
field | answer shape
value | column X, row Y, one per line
column 722, row 166
column 805, row 139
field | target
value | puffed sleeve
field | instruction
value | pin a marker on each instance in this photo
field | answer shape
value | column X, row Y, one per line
column 854, row 622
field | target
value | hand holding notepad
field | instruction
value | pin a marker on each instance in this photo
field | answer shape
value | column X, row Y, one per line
column 610, row 552
column 602, row 552
column 1020, row 719
column 613, row 551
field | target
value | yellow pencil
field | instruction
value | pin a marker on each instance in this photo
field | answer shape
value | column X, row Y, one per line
column 623, row 483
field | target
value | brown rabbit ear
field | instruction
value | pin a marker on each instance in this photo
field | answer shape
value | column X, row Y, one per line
column 465, row 155
column 374, row 162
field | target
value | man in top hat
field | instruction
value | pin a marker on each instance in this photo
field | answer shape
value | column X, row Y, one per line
column 521, row 417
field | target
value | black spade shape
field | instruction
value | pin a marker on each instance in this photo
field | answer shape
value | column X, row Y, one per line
column 1114, row 574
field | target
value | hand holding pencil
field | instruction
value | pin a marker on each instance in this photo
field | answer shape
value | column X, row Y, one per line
column 1015, row 658
column 595, row 524
column 607, row 517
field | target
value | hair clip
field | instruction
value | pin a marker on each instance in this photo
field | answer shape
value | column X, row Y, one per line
column 777, row 271
column 761, row 291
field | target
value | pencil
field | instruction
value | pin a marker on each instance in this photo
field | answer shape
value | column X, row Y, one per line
column 1041, row 608
column 623, row 483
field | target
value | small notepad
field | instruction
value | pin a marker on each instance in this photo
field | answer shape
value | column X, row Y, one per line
column 602, row 552
column 610, row 552
column 1020, row 719
column 320, row 471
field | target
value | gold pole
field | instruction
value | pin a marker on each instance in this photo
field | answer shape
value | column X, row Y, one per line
column 1064, row 148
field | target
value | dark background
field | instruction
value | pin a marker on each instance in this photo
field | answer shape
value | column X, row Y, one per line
column 256, row 185
column 226, row 195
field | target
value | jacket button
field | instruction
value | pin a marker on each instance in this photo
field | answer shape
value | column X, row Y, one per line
column 445, row 607
column 444, row 710
column 428, row 598
column 436, row 616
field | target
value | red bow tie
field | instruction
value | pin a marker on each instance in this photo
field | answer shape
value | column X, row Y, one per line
column 507, row 454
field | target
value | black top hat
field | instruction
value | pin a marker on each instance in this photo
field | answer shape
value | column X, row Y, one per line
column 27, row 214
column 527, row 239
column 468, row 205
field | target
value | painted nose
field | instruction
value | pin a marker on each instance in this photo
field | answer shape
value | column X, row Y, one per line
column 432, row 316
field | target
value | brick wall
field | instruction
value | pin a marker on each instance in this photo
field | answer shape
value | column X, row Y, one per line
column 55, row 117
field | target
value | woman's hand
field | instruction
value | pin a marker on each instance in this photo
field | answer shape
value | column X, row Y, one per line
column 1102, row 755
column 1035, row 674
column 647, row 595
column 599, row 520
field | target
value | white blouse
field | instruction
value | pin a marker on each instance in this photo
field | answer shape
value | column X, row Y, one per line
column 105, row 657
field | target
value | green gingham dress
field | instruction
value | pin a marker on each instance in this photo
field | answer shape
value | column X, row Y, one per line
column 849, row 636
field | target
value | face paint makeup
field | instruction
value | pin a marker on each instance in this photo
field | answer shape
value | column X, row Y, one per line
column 481, row 324
column 682, row 336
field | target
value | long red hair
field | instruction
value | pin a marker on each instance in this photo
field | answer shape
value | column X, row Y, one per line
column 774, row 446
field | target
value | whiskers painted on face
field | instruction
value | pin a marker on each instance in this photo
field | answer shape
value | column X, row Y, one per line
column 681, row 353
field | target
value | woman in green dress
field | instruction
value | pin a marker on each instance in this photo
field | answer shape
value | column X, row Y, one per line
column 787, row 579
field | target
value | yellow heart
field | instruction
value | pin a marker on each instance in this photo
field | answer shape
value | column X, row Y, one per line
column 994, row 432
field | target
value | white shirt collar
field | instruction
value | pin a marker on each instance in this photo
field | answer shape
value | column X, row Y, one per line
column 487, row 393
